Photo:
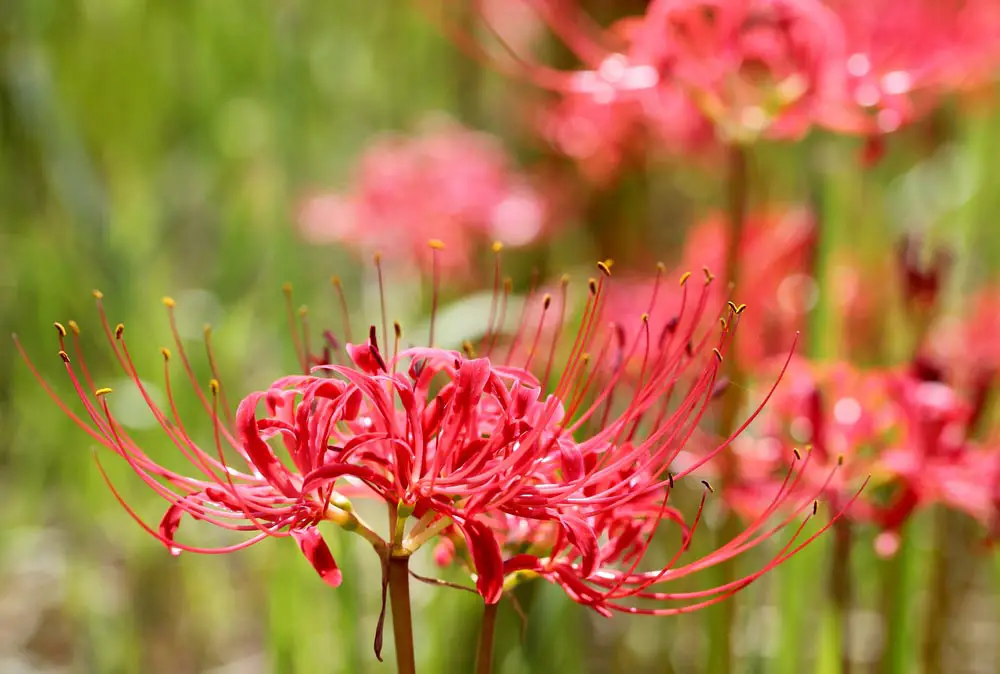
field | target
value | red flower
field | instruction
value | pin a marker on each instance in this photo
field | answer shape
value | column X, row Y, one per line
column 840, row 416
column 935, row 460
column 903, row 56
column 444, row 181
column 472, row 448
column 775, row 251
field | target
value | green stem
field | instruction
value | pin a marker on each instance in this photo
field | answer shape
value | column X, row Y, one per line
column 723, row 617
column 939, row 604
column 896, row 607
column 841, row 590
column 484, row 654
column 402, row 621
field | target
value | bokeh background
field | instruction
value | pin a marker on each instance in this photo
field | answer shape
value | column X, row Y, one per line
column 167, row 148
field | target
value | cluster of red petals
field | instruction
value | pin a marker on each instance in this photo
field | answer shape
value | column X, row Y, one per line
column 775, row 252
column 903, row 56
column 685, row 71
column 908, row 428
column 837, row 414
column 445, row 181
column 569, row 484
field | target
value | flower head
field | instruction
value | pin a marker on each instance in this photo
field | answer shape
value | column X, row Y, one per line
column 444, row 181
column 567, row 482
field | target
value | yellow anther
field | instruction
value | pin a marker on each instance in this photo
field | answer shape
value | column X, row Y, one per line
column 497, row 246
column 102, row 392
column 436, row 244
column 119, row 330
column 60, row 329
column 166, row 353
column 169, row 302
column 718, row 354
column 64, row 356
column 97, row 294
column 74, row 327
column 213, row 386
column 684, row 277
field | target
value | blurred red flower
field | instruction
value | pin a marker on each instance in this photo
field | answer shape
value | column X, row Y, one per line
column 447, row 182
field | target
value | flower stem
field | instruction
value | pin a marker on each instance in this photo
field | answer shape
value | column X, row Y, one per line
column 939, row 605
column 896, row 608
column 841, row 590
column 484, row 654
column 723, row 617
column 402, row 621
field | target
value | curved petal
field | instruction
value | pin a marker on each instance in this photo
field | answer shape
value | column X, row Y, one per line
column 318, row 553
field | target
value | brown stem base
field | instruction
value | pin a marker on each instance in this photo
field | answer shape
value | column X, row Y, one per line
column 484, row 654
column 402, row 621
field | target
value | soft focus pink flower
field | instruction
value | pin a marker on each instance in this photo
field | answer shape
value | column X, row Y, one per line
column 935, row 460
column 966, row 345
column 446, row 181
column 903, row 56
column 839, row 415
column 775, row 280
column 753, row 67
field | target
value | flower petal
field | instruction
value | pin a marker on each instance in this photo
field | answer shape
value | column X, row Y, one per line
column 318, row 553
column 486, row 556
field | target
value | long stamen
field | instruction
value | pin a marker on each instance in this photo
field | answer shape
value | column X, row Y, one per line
column 436, row 247
column 306, row 344
column 209, row 351
column 293, row 328
column 563, row 298
column 494, row 299
column 377, row 259
column 345, row 315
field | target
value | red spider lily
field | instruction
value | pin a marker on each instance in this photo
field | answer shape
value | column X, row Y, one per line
column 752, row 66
column 443, row 181
column 744, row 67
column 839, row 415
column 935, row 459
column 264, row 499
column 775, row 251
column 463, row 444
column 904, row 55
column 967, row 346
